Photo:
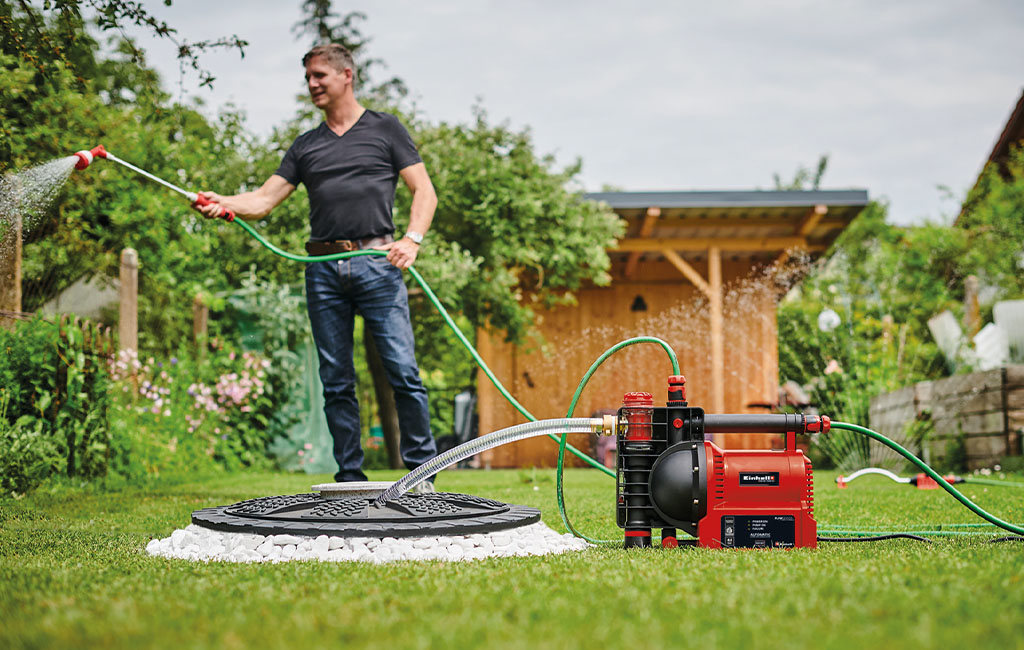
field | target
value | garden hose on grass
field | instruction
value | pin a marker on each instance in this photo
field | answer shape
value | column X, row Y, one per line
column 895, row 446
column 1017, row 530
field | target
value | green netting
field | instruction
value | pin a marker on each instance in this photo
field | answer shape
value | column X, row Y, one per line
column 308, row 445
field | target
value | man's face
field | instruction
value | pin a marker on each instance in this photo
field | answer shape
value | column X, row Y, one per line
column 326, row 84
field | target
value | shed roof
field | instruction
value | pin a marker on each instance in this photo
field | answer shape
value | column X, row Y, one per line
column 732, row 198
column 758, row 225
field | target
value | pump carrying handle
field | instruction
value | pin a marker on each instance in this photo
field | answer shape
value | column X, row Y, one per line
column 225, row 214
column 767, row 423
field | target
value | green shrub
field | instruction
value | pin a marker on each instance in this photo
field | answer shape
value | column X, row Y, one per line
column 28, row 453
column 194, row 411
column 54, row 386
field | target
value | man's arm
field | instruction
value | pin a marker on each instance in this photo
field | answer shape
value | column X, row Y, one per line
column 402, row 253
column 249, row 205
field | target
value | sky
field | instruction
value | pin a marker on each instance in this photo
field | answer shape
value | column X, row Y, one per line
column 905, row 97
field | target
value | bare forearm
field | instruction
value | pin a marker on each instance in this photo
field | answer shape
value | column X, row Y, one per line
column 421, row 213
column 249, row 205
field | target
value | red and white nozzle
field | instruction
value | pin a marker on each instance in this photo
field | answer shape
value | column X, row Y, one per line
column 85, row 156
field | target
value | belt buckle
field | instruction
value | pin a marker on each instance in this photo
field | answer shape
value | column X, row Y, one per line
column 347, row 245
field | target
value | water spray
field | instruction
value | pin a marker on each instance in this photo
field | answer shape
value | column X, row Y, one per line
column 85, row 158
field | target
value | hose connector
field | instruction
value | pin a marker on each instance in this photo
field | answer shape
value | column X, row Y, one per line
column 85, row 157
column 604, row 425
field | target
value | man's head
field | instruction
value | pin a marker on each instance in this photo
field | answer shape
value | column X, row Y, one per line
column 335, row 54
column 330, row 74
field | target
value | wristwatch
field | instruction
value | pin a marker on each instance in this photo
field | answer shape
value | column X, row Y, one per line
column 415, row 236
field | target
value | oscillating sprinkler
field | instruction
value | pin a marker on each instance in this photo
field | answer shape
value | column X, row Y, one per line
column 85, row 158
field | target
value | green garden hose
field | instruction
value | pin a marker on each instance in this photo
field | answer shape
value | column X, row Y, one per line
column 444, row 314
column 932, row 473
column 572, row 407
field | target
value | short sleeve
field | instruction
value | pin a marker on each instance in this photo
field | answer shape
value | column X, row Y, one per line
column 403, row 149
column 289, row 167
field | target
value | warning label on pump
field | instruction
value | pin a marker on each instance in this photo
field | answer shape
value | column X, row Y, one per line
column 759, row 531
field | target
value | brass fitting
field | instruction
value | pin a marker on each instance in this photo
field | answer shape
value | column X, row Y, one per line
column 604, row 425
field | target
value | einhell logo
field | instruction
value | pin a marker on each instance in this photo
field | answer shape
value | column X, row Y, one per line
column 759, row 478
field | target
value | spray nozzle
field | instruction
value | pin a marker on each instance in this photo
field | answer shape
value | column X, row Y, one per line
column 86, row 155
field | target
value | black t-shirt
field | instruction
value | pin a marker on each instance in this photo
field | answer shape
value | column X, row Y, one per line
column 350, row 179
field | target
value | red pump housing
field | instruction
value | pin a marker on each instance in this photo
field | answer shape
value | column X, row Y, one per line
column 759, row 498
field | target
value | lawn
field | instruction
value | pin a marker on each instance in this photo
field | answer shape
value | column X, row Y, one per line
column 73, row 574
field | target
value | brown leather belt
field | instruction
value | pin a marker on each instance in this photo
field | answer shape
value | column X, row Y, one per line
column 346, row 245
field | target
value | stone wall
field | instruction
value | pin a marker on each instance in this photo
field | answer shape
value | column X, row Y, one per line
column 979, row 416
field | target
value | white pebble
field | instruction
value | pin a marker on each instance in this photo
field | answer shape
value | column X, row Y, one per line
column 284, row 540
column 336, row 543
column 196, row 543
column 320, row 545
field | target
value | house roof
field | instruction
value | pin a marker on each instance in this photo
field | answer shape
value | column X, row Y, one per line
column 1012, row 134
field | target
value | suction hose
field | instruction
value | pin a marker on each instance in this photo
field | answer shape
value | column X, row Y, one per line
column 483, row 443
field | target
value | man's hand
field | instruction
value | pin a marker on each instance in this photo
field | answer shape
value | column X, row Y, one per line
column 213, row 209
column 401, row 253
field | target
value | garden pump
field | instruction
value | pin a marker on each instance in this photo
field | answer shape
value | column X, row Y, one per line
column 85, row 158
column 669, row 477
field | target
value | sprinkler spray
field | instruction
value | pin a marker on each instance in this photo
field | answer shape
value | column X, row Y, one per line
column 85, row 157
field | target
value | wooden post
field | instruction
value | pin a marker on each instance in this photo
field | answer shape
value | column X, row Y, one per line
column 10, row 267
column 200, row 320
column 972, row 313
column 128, row 325
column 717, row 340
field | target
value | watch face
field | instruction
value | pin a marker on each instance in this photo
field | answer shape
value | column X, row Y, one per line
column 415, row 236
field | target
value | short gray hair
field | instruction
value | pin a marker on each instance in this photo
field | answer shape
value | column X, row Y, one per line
column 335, row 54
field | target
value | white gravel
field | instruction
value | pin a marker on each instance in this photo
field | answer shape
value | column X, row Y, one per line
column 205, row 545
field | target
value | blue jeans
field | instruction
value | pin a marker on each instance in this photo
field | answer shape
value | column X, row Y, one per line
column 371, row 286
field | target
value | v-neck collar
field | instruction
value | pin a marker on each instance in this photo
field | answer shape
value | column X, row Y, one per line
column 349, row 129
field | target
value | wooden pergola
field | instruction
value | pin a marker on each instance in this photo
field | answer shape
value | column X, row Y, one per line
column 674, row 271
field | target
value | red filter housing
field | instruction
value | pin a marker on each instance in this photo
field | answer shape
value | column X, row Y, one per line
column 759, row 498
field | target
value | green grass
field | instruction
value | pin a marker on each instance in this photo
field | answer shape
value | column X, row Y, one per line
column 73, row 574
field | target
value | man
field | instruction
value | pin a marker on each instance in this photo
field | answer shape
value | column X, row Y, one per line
column 350, row 165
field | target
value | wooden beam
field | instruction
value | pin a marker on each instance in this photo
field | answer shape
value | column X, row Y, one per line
column 700, row 244
column 811, row 220
column 691, row 273
column 646, row 228
column 717, row 331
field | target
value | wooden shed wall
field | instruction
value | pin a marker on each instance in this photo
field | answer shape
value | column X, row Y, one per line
column 545, row 380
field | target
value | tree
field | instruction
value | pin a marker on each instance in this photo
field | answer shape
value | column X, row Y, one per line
column 804, row 177
column 54, row 32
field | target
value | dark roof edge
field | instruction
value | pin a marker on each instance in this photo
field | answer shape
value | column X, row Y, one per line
column 1014, row 125
column 731, row 198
